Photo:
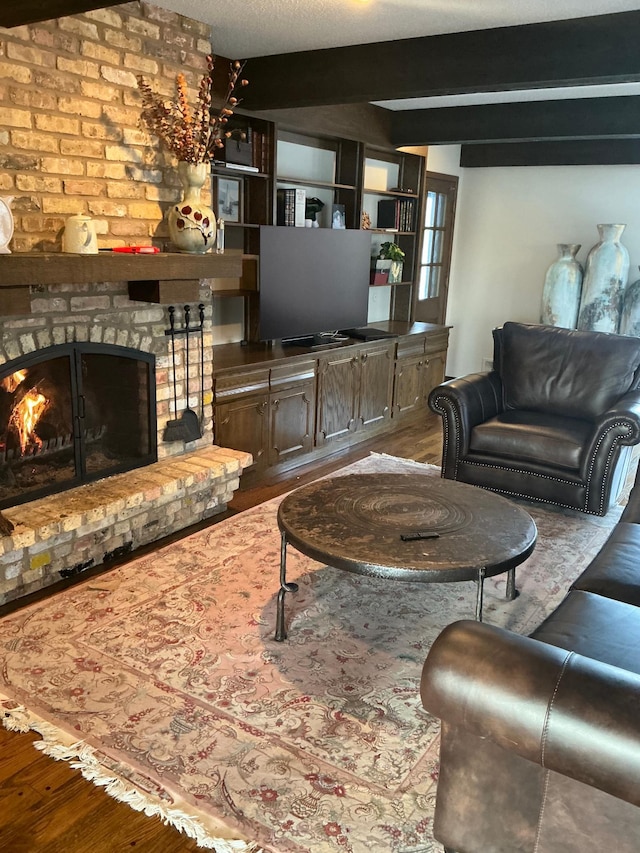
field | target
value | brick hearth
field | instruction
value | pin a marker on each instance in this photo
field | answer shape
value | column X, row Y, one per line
column 62, row 535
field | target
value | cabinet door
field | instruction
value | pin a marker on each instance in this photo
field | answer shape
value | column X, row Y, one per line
column 291, row 414
column 434, row 371
column 242, row 425
column 376, row 384
column 338, row 385
column 409, row 386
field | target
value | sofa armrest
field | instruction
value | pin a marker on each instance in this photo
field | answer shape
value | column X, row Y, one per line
column 463, row 403
column 563, row 711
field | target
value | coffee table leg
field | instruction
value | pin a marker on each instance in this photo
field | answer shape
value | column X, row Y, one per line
column 281, row 631
column 480, row 589
column 512, row 592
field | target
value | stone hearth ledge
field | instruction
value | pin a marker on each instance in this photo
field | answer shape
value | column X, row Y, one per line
column 63, row 534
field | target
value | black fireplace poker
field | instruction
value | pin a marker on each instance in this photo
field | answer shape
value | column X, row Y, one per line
column 188, row 426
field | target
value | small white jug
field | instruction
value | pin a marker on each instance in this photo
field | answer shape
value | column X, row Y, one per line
column 6, row 224
column 79, row 236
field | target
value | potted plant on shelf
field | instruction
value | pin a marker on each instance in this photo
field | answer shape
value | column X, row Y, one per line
column 387, row 264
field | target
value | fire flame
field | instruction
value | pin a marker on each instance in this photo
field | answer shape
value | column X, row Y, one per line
column 26, row 415
column 10, row 383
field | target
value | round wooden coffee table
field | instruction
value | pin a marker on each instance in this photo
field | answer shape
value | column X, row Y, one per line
column 404, row 527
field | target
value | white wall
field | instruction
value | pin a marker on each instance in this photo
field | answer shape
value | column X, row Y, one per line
column 508, row 224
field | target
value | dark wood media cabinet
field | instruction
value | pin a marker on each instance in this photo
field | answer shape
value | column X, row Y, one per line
column 291, row 405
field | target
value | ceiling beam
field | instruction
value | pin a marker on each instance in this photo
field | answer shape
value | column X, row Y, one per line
column 581, row 51
column 598, row 152
column 14, row 13
column 582, row 118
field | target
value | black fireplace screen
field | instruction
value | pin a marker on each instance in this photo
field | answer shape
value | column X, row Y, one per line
column 71, row 414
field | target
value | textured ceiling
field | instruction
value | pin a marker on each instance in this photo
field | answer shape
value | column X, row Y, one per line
column 246, row 28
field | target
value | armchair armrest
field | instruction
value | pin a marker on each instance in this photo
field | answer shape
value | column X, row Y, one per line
column 619, row 425
column 463, row 403
column 563, row 711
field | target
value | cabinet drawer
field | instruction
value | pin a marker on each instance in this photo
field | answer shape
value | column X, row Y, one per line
column 239, row 384
column 288, row 375
column 410, row 346
column 437, row 342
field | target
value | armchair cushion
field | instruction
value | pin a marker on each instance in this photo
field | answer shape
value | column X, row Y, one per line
column 533, row 436
column 573, row 373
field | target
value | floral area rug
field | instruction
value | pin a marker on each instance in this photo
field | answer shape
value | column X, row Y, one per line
column 161, row 681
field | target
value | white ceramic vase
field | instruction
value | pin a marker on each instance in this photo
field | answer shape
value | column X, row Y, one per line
column 192, row 225
column 562, row 288
column 630, row 314
column 605, row 279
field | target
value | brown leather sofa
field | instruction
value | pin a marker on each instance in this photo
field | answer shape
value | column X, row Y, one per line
column 554, row 421
column 540, row 748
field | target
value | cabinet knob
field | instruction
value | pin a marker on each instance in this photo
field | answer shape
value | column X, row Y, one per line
column 275, row 404
column 261, row 408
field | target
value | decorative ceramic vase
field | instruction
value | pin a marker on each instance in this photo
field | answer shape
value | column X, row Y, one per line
column 562, row 288
column 605, row 278
column 192, row 225
column 395, row 272
column 630, row 314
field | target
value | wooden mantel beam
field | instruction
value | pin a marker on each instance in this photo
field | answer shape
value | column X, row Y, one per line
column 23, row 269
column 581, row 51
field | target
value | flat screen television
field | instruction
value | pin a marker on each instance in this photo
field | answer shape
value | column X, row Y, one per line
column 313, row 282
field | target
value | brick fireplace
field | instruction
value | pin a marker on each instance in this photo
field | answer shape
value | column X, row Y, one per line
column 61, row 534
column 71, row 142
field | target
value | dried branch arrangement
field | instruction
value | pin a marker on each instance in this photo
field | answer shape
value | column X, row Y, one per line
column 192, row 134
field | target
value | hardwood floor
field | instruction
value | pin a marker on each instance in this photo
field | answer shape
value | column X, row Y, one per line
column 45, row 806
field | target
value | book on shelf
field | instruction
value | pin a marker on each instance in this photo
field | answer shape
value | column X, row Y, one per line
column 285, row 206
column 240, row 167
column 260, row 151
column 300, row 207
column 396, row 213
column 290, row 206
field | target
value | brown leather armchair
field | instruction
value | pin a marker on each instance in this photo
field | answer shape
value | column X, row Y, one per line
column 554, row 421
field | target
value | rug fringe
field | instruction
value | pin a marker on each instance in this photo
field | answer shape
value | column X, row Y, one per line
column 82, row 757
column 403, row 460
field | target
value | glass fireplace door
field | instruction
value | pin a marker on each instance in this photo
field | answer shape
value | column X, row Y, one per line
column 71, row 414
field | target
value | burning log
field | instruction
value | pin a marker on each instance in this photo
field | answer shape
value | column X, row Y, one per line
column 6, row 526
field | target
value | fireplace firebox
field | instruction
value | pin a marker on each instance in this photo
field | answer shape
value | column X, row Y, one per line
column 72, row 414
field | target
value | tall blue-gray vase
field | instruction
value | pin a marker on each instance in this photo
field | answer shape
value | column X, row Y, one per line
column 630, row 316
column 562, row 288
column 605, row 278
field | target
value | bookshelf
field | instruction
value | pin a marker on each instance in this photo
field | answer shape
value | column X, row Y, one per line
column 326, row 169
column 264, row 167
column 242, row 182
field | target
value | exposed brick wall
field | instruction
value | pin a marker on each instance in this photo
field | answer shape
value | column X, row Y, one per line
column 70, row 135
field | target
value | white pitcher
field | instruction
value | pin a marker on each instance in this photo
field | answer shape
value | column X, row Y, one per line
column 79, row 236
column 6, row 224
